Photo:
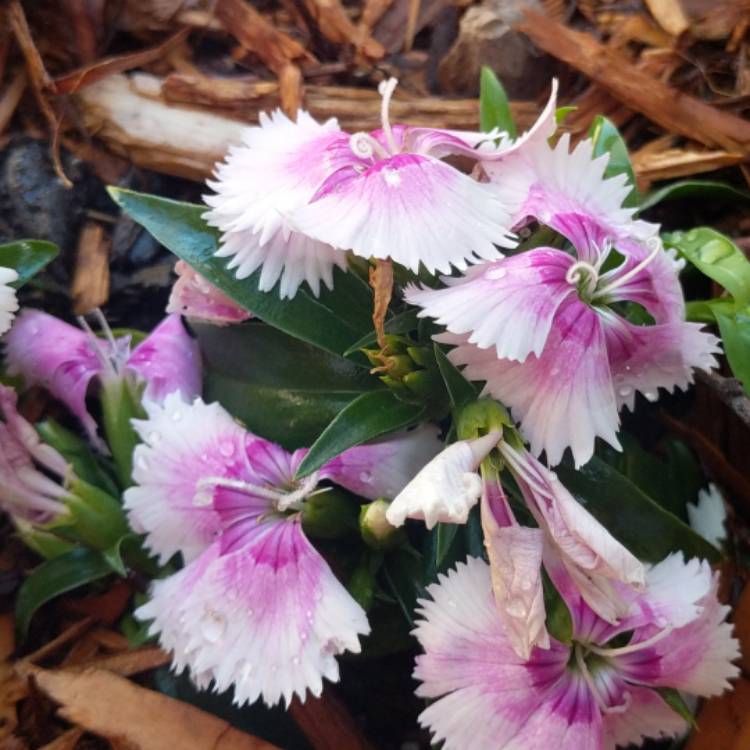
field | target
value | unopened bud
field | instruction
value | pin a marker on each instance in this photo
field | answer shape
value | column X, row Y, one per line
column 330, row 514
column 375, row 528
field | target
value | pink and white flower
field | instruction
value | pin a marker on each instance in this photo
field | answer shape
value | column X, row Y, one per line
column 256, row 606
column 595, row 693
column 8, row 298
column 32, row 473
column 296, row 195
column 49, row 352
column 197, row 299
column 544, row 329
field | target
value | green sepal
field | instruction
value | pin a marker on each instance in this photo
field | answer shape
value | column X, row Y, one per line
column 480, row 417
column 93, row 516
column 363, row 580
column 121, row 402
column 77, row 453
column 331, row 514
column 44, row 543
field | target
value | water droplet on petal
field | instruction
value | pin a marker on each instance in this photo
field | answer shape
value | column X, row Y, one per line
column 274, row 668
column 651, row 396
column 624, row 391
column 515, row 609
column 365, row 476
column 496, row 273
column 142, row 462
column 226, row 449
column 245, row 669
column 295, row 660
column 213, row 626
column 176, row 415
column 451, row 604
column 154, row 437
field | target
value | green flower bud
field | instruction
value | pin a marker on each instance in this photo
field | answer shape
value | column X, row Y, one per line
column 330, row 514
column 376, row 531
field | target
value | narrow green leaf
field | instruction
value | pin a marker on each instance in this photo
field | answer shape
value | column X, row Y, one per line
column 676, row 702
column 562, row 112
column 369, row 416
column 54, row 577
column 27, row 258
column 494, row 107
column 716, row 256
column 709, row 189
column 331, row 321
column 649, row 531
column 735, row 335
column 460, row 390
column 280, row 387
column 607, row 140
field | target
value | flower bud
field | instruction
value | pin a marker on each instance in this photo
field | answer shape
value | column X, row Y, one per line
column 375, row 528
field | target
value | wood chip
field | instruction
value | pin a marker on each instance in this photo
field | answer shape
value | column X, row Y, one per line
column 67, row 636
column 90, row 286
column 724, row 722
column 66, row 741
column 127, row 663
column 670, row 15
column 275, row 48
column 327, row 723
column 37, row 72
column 290, row 90
column 113, row 707
column 10, row 97
column 674, row 110
column 381, row 281
column 334, row 24
column 671, row 163
column 78, row 79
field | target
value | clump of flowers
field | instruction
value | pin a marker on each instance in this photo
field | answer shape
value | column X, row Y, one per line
column 295, row 468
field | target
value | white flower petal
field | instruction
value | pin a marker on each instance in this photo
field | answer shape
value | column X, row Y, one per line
column 446, row 488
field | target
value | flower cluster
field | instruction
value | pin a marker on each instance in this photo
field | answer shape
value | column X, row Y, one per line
column 555, row 296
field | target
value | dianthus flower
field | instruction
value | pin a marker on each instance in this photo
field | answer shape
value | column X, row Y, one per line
column 32, row 473
column 197, row 299
column 49, row 352
column 8, row 298
column 601, row 689
column 547, row 329
column 256, row 606
column 296, row 194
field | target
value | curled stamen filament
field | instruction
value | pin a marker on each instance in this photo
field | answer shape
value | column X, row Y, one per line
column 632, row 648
column 282, row 500
column 656, row 246
column 583, row 668
column 580, row 271
column 386, row 89
column 365, row 146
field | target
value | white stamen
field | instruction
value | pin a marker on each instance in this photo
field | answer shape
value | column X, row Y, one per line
column 631, row 648
column 589, row 680
column 656, row 246
column 365, row 146
column 242, row 486
column 107, row 359
column 386, row 89
column 306, row 487
column 581, row 271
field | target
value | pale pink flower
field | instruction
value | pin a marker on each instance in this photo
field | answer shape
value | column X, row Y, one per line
column 256, row 607
column 447, row 487
column 49, row 352
column 544, row 328
column 32, row 473
column 197, row 299
column 295, row 195
column 591, row 694
column 604, row 571
column 8, row 298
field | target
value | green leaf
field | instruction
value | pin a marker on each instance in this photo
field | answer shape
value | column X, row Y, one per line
column 735, row 335
column 559, row 619
column 562, row 112
column 369, row 416
column 280, row 387
column 54, row 577
column 460, row 390
column 27, row 258
column 676, row 702
column 607, row 140
column 331, row 321
column 649, row 531
column 494, row 107
column 716, row 256
column 77, row 453
column 709, row 189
